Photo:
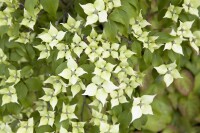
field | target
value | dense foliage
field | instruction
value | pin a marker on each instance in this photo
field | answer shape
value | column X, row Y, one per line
column 117, row 66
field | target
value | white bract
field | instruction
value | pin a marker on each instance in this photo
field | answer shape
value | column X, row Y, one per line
column 5, row 128
column 50, row 96
column 68, row 112
column 100, row 88
column 169, row 71
column 78, row 127
column 110, row 50
column 175, row 45
column 26, row 126
column 72, row 25
column 125, row 53
column 44, row 51
column 47, row 118
column 29, row 20
column 138, row 22
column 5, row 19
column 110, row 4
column 173, row 12
column 9, row 95
column 64, row 51
column 195, row 41
column 58, row 84
column 107, row 128
column 96, row 12
column 98, row 117
column 52, row 36
column 14, row 76
column 150, row 43
column 103, row 69
column 78, row 45
column 73, row 72
column 3, row 57
column 117, row 98
column 141, row 105
column 184, row 29
column 191, row 7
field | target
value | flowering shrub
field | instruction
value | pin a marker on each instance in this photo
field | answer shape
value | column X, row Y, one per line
column 98, row 65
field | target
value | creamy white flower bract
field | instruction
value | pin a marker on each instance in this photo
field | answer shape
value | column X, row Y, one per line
column 169, row 72
column 96, row 12
column 141, row 105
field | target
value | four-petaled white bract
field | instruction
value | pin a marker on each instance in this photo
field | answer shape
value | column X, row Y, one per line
column 141, row 105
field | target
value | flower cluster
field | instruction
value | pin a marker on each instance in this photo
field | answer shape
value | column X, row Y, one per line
column 74, row 75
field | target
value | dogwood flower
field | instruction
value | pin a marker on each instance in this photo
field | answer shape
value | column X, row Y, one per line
column 96, row 12
column 63, row 130
column 52, row 36
column 41, row 105
column 129, row 84
column 184, row 29
column 76, row 88
column 64, row 51
column 14, row 76
column 96, row 104
column 117, row 97
column 150, row 43
column 5, row 18
column 103, row 69
column 78, row 45
column 107, row 128
column 57, row 83
column 3, row 57
column 11, row 6
column 98, row 117
column 138, row 22
column 100, row 88
column 141, row 105
column 9, row 95
column 195, row 41
column 26, row 126
column 125, row 53
column 169, row 72
column 94, row 38
column 173, row 12
column 72, row 25
column 73, row 72
column 191, row 7
column 47, row 118
column 68, row 112
column 29, row 20
column 110, row 50
column 78, row 127
column 110, row 4
column 123, row 70
column 44, row 51
column 5, row 128
column 25, row 37
column 175, row 45
column 50, row 96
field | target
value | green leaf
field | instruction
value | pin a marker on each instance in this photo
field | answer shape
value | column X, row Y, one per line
column 148, row 56
column 13, row 108
column 110, row 30
column 26, row 71
column 61, row 67
column 34, row 84
column 3, row 30
column 120, row 16
column 21, row 90
column 30, row 51
column 185, row 85
column 29, row 5
column 50, row 6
